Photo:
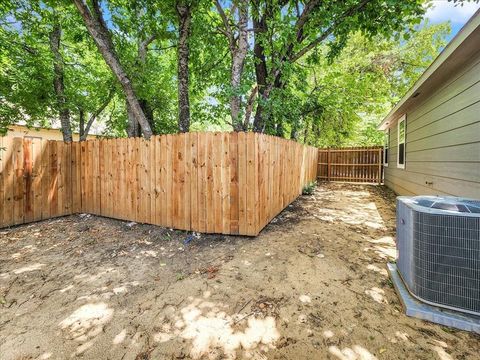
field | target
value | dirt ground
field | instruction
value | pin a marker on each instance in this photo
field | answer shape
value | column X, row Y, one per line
column 312, row 285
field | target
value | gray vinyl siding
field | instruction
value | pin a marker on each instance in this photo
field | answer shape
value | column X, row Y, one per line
column 442, row 140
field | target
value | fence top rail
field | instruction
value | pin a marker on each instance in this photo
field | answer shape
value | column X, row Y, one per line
column 351, row 147
column 255, row 134
column 352, row 150
column 346, row 164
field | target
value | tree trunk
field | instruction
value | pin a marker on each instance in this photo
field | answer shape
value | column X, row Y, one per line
column 133, row 128
column 270, row 81
column 261, row 72
column 184, row 21
column 58, row 83
column 99, row 32
column 295, row 129
column 249, row 108
column 238, row 61
column 306, row 130
column 238, row 45
column 144, row 103
column 81, row 120
column 85, row 129
column 148, row 111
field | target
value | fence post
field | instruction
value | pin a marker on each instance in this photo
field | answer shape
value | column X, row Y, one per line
column 328, row 165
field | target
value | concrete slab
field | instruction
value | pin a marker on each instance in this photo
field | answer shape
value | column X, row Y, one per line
column 420, row 310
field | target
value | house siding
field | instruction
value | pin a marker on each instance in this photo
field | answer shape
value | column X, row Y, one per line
column 442, row 140
column 43, row 133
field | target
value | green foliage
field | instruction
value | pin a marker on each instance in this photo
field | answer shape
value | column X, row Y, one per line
column 340, row 103
column 309, row 189
column 26, row 65
column 334, row 95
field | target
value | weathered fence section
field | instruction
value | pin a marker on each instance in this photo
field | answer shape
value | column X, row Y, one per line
column 38, row 179
column 353, row 164
column 231, row 183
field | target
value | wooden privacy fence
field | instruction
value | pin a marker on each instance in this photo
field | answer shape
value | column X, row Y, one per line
column 230, row 183
column 354, row 164
column 39, row 179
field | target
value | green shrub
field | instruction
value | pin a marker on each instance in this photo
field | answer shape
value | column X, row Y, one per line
column 309, row 188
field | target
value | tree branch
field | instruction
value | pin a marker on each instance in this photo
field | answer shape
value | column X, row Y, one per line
column 99, row 31
column 97, row 113
column 329, row 30
column 143, row 47
column 228, row 29
column 249, row 108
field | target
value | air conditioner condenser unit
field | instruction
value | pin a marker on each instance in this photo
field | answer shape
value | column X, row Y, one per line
column 438, row 259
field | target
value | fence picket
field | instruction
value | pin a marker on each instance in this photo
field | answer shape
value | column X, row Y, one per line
column 361, row 164
column 231, row 183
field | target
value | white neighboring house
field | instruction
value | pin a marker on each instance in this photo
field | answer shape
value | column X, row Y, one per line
column 433, row 134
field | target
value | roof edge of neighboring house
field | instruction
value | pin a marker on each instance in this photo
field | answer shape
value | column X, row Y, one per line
column 440, row 68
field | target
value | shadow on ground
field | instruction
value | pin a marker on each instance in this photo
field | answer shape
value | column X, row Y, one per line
column 312, row 285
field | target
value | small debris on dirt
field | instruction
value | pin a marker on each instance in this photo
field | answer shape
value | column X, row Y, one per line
column 316, row 319
column 267, row 306
column 188, row 239
column 302, row 318
column 145, row 355
column 310, row 249
column 285, row 341
column 113, row 287
column 211, row 271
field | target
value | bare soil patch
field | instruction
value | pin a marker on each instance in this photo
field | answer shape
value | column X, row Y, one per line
column 312, row 285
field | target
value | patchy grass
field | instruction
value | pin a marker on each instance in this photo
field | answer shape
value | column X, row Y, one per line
column 309, row 189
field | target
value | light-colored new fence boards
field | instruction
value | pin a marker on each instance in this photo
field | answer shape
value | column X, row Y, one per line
column 230, row 183
column 284, row 167
column 355, row 164
column 38, row 180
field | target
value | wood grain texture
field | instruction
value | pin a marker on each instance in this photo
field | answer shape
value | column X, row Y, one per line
column 229, row 183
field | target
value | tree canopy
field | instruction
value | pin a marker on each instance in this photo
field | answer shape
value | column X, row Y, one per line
column 320, row 72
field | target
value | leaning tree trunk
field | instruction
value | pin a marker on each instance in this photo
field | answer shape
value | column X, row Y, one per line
column 133, row 128
column 98, row 30
column 58, row 82
column 148, row 111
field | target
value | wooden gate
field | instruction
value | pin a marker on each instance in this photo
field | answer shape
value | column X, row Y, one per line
column 353, row 164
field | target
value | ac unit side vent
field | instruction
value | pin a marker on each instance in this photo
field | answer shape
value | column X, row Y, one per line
column 439, row 254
